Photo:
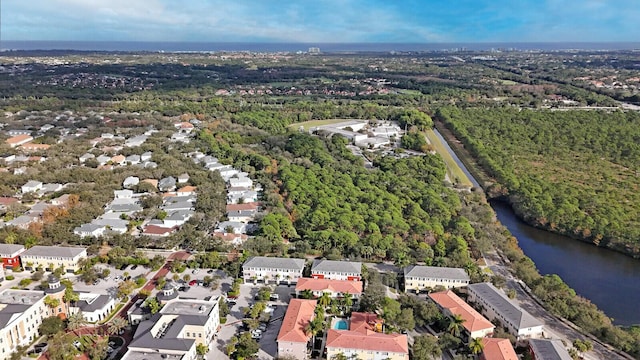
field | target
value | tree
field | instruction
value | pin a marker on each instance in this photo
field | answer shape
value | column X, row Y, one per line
column 202, row 349
column 476, row 346
column 455, row 326
column 51, row 325
column 99, row 349
column 61, row 347
column 70, row 296
column 116, row 325
column 313, row 327
column 153, row 305
column 406, row 320
column 324, row 300
column 126, row 288
column 246, row 346
column 425, row 347
column 306, row 294
column 76, row 321
column 51, row 302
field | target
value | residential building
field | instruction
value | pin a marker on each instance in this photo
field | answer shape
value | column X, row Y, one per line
column 158, row 231
column 18, row 140
column 497, row 306
column 34, row 147
column 293, row 338
column 130, row 181
column 52, row 257
column 23, row 221
column 335, row 288
column 21, row 312
column 56, row 290
column 86, row 157
column 336, row 270
column 94, row 307
column 10, row 254
column 31, row 186
column 167, row 184
column 266, row 269
column 175, row 331
column 146, row 156
column 422, row 278
column 542, row 349
column 232, row 227
column 89, row 230
column 243, row 216
column 240, row 182
column 475, row 325
column 122, row 194
column 497, row 349
column 364, row 339
column 183, row 178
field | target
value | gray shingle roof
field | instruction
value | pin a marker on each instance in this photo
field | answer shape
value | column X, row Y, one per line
column 7, row 250
column 100, row 302
column 349, row 267
column 502, row 305
column 274, row 263
column 57, row 251
column 434, row 272
column 549, row 349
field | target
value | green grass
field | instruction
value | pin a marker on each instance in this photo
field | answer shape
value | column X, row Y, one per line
column 314, row 123
column 113, row 313
column 453, row 170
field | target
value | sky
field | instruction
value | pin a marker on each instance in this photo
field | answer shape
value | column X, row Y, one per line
column 322, row 21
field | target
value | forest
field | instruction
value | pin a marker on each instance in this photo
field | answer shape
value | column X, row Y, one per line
column 572, row 172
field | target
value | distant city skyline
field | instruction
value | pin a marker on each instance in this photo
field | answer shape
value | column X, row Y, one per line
column 322, row 21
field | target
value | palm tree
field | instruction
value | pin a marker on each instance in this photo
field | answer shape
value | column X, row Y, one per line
column 306, row 294
column 52, row 303
column 455, row 325
column 76, row 321
column 348, row 300
column 324, row 300
column 476, row 346
column 314, row 327
column 116, row 324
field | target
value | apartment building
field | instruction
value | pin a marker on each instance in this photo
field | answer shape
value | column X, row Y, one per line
column 21, row 312
column 336, row 270
column 266, row 269
column 53, row 257
column 422, row 278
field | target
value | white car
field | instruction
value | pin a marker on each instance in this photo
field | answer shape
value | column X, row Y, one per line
column 256, row 334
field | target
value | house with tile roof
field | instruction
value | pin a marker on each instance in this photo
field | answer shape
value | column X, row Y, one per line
column 335, row 288
column 364, row 339
column 18, row 140
column 497, row 349
column 497, row 306
column 293, row 338
column 266, row 269
column 422, row 278
column 336, row 270
column 475, row 325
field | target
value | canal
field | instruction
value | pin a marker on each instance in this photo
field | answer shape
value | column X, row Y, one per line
column 609, row 279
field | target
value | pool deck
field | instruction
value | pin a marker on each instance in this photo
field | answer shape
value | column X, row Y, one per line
column 336, row 323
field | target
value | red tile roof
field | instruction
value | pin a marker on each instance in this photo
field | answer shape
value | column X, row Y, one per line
column 473, row 321
column 7, row 201
column 245, row 206
column 498, row 349
column 157, row 230
column 187, row 188
column 18, row 139
column 369, row 341
column 365, row 322
column 299, row 313
column 336, row 286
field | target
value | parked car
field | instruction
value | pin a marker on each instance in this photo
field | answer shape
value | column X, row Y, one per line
column 262, row 327
column 256, row 334
column 41, row 345
column 77, row 344
column 109, row 349
column 274, row 297
column 210, row 271
column 195, row 271
column 134, row 267
column 193, row 282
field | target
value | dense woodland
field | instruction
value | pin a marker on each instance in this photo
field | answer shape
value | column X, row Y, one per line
column 573, row 172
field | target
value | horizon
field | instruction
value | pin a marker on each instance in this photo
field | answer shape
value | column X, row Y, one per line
column 321, row 21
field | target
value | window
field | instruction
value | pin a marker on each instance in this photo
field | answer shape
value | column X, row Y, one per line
column 187, row 333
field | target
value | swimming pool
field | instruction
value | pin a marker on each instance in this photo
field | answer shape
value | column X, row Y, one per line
column 341, row 325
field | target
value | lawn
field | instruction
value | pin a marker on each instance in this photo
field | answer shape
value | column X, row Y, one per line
column 314, row 123
column 453, row 170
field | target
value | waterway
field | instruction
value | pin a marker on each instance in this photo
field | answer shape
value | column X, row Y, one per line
column 607, row 278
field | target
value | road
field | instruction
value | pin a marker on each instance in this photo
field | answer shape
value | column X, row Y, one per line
column 554, row 327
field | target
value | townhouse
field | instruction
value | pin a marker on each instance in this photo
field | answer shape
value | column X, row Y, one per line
column 497, row 349
column 335, row 288
column 266, row 269
column 497, row 306
column 336, row 270
column 475, row 325
column 52, row 257
column 293, row 338
column 543, row 349
column 21, row 312
column 10, row 254
column 422, row 278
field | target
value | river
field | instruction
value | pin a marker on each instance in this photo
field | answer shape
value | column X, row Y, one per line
column 607, row 278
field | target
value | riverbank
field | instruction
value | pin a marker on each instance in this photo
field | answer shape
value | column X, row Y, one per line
column 558, row 298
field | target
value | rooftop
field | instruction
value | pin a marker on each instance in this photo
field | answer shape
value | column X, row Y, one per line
column 20, row 297
column 337, row 286
column 274, row 263
column 148, row 355
column 350, row 267
column 189, row 307
column 498, row 349
column 371, row 341
column 502, row 305
column 549, row 349
column 435, row 272
column 55, row 251
column 299, row 313
column 473, row 321
column 7, row 250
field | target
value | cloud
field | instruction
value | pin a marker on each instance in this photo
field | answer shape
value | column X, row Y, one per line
column 321, row 20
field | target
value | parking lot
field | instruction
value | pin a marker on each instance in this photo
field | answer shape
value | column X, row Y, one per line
column 233, row 327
